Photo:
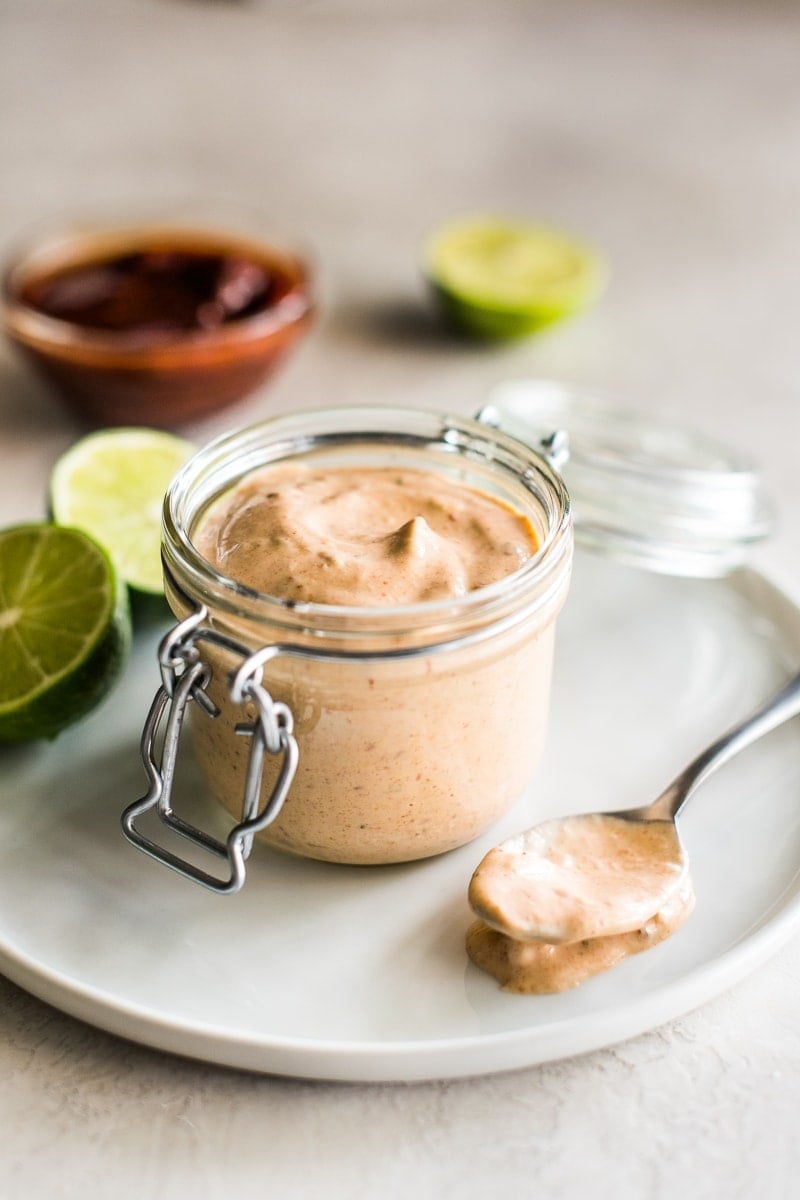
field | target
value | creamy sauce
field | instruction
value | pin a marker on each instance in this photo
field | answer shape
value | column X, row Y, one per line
column 541, row 968
column 400, row 758
column 364, row 536
column 573, row 897
column 582, row 877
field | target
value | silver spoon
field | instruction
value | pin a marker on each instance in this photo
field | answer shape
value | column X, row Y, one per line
column 598, row 874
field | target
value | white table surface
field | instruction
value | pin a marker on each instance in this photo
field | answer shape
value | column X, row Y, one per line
column 667, row 132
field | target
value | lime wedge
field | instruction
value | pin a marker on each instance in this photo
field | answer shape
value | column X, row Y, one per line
column 64, row 629
column 111, row 484
column 506, row 279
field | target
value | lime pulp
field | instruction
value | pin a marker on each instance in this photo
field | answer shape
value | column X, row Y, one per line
column 111, row 484
column 64, row 629
column 504, row 279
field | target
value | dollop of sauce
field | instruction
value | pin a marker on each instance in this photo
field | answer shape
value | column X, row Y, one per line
column 370, row 536
column 581, row 877
column 572, row 897
column 541, row 968
column 156, row 292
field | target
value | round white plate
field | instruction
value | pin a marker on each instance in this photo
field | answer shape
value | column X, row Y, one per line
column 347, row 973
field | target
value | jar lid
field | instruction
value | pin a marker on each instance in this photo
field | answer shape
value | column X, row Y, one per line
column 644, row 491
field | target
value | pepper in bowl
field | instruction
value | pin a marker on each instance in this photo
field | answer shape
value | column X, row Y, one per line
column 155, row 324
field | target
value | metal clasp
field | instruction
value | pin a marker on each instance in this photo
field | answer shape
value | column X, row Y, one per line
column 184, row 678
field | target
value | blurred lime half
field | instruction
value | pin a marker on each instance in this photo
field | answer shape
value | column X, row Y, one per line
column 64, row 629
column 506, row 279
column 111, row 484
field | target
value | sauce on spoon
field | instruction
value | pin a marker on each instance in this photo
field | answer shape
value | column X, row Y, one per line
column 565, row 900
column 573, row 897
column 581, row 877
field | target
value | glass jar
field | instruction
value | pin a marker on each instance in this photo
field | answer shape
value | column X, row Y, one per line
column 416, row 726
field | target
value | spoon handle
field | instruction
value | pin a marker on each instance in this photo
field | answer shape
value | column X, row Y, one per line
column 772, row 713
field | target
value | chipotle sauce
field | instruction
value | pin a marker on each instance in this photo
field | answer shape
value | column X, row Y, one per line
column 155, row 324
column 400, row 757
column 366, row 536
column 157, row 293
column 573, row 897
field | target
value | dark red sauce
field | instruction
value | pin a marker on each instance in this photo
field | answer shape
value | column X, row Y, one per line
column 157, row 293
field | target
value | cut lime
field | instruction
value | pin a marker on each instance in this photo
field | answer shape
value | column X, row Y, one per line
column 111, row 484
column 506, row 279
column 64, row 629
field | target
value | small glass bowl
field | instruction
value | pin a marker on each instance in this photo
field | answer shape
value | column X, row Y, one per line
column 124, row 377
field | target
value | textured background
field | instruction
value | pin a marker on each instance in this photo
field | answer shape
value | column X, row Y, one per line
column 669, row 133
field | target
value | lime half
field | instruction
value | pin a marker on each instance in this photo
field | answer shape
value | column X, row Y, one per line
column 64, row 629
column 506, row 279
column 111, row 484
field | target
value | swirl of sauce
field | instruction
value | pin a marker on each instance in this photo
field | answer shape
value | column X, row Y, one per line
column 364, row 536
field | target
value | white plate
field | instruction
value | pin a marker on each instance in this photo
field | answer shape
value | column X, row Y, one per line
column 360, row 973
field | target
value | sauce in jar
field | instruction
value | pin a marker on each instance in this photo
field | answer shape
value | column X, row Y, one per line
column 376, row 537
column 364, row 536
column 398, row 575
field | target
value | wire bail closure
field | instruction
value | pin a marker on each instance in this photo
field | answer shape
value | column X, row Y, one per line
column 184, row 678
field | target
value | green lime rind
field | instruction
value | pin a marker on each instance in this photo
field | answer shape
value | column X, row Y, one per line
column 149, row 609
column 65, row 629
column 499, row 279
column 111, row 484
column 491, row 324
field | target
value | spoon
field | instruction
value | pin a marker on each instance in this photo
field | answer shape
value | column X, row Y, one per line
column 605, row 873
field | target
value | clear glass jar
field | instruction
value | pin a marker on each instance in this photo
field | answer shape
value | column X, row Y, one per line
column 416, row 726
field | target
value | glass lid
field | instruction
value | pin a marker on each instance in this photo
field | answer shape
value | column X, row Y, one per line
column 643, row 490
